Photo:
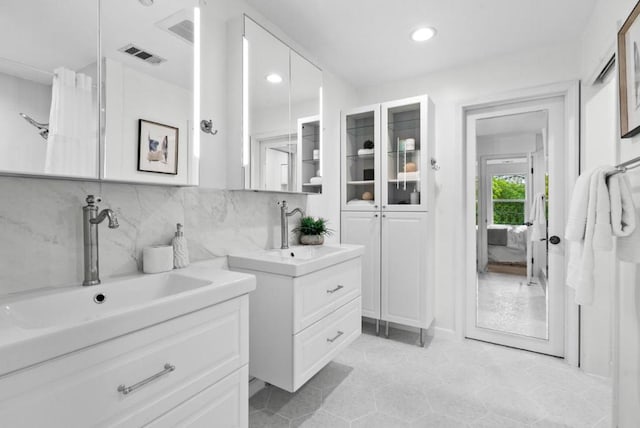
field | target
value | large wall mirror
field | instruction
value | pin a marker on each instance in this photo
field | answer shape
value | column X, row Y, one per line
column 148, row 74
column 145, row 82
column 48, row 88
column 281, row 115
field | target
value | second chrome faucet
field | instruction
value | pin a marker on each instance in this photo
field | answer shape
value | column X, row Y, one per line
column 284, row 222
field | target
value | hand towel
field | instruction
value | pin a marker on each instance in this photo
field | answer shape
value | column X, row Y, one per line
column 538, row 228
column 597, row 232
column 577, row 220
column 628, row 244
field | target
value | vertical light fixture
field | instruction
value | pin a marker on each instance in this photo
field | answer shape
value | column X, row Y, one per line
column 321, row 121
column 196, row 84
column 245, row 102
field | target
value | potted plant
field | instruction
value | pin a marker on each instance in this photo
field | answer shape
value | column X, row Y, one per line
column 312, row 230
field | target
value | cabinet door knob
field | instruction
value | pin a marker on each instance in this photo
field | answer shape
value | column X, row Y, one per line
column 375, row 206
column 375, row 215
column 384, row 215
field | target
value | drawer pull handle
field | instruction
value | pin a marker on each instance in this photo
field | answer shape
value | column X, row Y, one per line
column 340, row 333
column 168, row 368
column 338, row 288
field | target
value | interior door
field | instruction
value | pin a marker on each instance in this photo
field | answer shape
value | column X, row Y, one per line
column 504, row 304
column 363, row 228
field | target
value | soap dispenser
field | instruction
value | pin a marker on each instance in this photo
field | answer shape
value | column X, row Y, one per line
column 414, row 197
column 180, row 250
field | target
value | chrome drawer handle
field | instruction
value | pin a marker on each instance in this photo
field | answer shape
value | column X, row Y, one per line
column 338, row 288
column 168, row 368
column 340, row 333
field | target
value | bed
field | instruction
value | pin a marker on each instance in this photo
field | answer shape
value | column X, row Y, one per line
column 507, row 244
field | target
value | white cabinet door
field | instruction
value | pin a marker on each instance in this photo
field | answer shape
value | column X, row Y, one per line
column 363, row 228
column 405, row 268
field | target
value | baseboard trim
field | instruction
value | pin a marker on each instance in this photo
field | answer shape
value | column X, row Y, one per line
column 255, row 385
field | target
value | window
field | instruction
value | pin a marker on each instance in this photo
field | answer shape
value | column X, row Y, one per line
column 508, row 199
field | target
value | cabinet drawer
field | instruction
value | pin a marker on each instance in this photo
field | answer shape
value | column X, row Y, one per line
column 322, row 292
column 81, row 389
column 224, row 404
column 318, row 344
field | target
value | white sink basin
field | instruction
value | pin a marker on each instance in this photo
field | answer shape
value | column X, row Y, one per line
column 295, row 261
column 81, row 304
column 38, row 326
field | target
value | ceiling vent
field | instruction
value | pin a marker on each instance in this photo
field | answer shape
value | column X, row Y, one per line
column 142, row 54
column 180, row 24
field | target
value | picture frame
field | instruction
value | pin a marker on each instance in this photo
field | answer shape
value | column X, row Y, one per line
column 629, row 74
column 157, row 147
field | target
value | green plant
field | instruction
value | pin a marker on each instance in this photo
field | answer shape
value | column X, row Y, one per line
column 313, row 226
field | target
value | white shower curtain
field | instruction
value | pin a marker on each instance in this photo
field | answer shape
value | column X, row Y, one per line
column 71, row 146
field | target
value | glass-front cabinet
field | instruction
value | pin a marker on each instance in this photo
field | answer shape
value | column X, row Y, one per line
column 360, row 163
column 386, row 152
column 309, row 149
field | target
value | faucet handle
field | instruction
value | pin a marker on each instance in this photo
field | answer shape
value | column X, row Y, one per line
column 92, row 200
column 283, row 204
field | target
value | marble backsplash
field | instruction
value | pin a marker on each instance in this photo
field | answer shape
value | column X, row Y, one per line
column 41, row 240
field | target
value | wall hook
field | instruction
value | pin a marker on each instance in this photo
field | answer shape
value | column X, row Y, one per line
column 434, row 164
column 207, row 127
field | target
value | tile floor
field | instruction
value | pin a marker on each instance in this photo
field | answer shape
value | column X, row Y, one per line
column 389, row 383
column 507, row 303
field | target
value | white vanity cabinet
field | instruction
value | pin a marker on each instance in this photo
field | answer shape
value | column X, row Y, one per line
column 300, row 323
column 387, row 206
column 191, row 370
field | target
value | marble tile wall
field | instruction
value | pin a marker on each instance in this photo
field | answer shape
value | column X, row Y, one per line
column 41, row 226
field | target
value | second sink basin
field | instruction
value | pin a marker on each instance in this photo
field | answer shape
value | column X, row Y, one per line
column 295, row 261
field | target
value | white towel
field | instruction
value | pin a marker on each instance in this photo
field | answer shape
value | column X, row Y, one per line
column 623, row 216
column 593, row 209
column 538, row 219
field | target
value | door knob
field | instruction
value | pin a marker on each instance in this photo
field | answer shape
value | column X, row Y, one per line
column 555, row 240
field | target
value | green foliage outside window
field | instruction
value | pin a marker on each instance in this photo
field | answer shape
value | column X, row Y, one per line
column 505, row 188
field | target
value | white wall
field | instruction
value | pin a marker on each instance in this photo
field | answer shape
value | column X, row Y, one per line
column 449, row 89
column 23, row 149
column 130, row 96
column 598, row 44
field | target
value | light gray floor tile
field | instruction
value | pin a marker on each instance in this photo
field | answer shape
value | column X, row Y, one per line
column 350, row 401
column 402, row 402
column 379, row 420
column 305, row 401
column 266, row 419
column 436, row 420
column 379, row 382
column 453, row 402
column 319, row 419
column 511, row 404
column 258, row 401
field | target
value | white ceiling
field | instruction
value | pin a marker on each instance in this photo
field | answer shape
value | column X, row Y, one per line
column 367, row 42
column 523, row 123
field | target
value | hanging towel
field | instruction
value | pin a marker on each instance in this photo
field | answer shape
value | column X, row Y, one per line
column 590, row 211
column 538, row 219
column 623, row 216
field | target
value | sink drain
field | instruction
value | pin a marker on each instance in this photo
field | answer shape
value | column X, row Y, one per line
column 99, row 298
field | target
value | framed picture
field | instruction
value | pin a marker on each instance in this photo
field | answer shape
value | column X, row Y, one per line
column 157, row 147
column 629, row 74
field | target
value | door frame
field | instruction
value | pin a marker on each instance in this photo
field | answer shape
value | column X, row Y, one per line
column 570, row 94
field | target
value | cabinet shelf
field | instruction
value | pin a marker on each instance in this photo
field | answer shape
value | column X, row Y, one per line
column 311, row 160
column 408, row 180
column 402, row 153
column 356, row 157
column 361, row 182
column 312, row 184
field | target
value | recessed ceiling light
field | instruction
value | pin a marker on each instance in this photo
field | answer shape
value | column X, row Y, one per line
column 274, row 78
column 146, row 2
column 423, row 34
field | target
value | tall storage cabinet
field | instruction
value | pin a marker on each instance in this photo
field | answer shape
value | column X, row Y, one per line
column 387, row 204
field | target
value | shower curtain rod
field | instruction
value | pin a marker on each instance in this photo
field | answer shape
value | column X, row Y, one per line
column 625, row 166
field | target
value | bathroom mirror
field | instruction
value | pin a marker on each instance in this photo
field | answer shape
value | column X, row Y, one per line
column 150, row 75
column 281, row 115
column 48, row 88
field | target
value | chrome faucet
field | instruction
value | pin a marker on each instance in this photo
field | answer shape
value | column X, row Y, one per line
column 91, row 220
column 284, row 222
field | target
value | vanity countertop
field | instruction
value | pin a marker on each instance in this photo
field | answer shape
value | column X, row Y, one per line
column 38, row 326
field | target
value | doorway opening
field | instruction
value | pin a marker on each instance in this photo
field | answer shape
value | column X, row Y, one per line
column 520, row 161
